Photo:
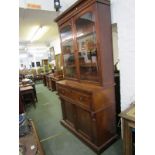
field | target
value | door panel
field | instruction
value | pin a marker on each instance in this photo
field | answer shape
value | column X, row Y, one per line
column 87, row 46
column 69, row 113
column 68, row 51
column 84, row 125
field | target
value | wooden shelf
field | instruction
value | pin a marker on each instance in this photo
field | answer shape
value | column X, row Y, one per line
column 85, row 35
column 89, row 77
column 88, row 65
column 70, row 66
column 67, row 41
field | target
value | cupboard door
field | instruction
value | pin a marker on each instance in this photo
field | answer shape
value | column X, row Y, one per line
column 67, row 47
column 87, row 46
column 84, row 123
column 69, row 112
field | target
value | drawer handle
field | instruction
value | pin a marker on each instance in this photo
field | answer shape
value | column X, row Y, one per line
column 81, row 98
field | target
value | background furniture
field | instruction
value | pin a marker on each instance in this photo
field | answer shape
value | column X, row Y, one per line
column 28, row 93
column 88, row 91
column 118, row 100
column 46, row 65
column 58, row 62
column 52, row 78
column 21, row 104
column 28, row 82
column 48, row 80
column 31, row 139
column 57, row 76
column 128, row 121
column 44, row 79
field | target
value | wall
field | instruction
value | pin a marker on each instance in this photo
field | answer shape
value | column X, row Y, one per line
column 24, row 60
column 33, row 55
column 123, row 13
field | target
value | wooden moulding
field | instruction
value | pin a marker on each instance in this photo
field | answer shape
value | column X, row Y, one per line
column 80, row 2
column 99, row 149
column 40, row 149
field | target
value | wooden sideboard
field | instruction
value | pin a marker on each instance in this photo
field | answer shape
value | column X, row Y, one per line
column 88, row 111
column 51, row 79
column 128, row 122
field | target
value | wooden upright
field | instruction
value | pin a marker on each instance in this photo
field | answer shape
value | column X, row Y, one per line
column 87, row 92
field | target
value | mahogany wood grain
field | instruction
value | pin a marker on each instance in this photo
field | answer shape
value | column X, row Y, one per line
column 88, row 106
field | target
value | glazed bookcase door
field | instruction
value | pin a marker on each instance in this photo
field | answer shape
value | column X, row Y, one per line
column 87, row 46
column 67, row 45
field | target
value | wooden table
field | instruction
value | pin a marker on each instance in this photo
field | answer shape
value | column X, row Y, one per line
column 30, row 140
column 29, row 84
column 28, row 90
column 128, row 122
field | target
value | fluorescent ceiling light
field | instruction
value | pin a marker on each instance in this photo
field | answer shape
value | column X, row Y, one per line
column 32, row 31
column 37, row 32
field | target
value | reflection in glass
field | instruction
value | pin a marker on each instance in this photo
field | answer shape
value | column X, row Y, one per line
column 86, row 39
column 68, row 52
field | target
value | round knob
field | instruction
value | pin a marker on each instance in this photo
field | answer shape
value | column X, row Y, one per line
column 81, row 98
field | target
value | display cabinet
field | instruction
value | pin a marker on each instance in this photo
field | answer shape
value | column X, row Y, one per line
column 87, row 92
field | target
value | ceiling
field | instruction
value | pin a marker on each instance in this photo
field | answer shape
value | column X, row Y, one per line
column 29, row 18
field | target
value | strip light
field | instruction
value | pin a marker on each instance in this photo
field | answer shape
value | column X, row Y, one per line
column 37, row 32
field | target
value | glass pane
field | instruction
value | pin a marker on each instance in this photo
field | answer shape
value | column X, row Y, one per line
column 86, row 39
column 68, row 51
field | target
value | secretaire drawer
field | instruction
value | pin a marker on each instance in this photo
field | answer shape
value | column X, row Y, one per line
column 77, row 96
column 81, row 98
column 64, row 91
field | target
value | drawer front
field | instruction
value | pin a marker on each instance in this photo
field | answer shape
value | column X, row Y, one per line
column 64, row 91
column 81, row 98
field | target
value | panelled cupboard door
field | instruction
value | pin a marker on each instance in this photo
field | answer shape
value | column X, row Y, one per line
column 68, row 50
column 84, row 123
column 69, row 112
column 85, row 34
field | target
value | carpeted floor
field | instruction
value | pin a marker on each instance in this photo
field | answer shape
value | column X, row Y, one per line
column 55, row 139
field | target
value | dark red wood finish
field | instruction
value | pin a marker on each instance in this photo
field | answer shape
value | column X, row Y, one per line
column 88, row 107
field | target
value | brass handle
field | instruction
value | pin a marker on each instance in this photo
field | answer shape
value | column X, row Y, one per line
column 81, row 98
